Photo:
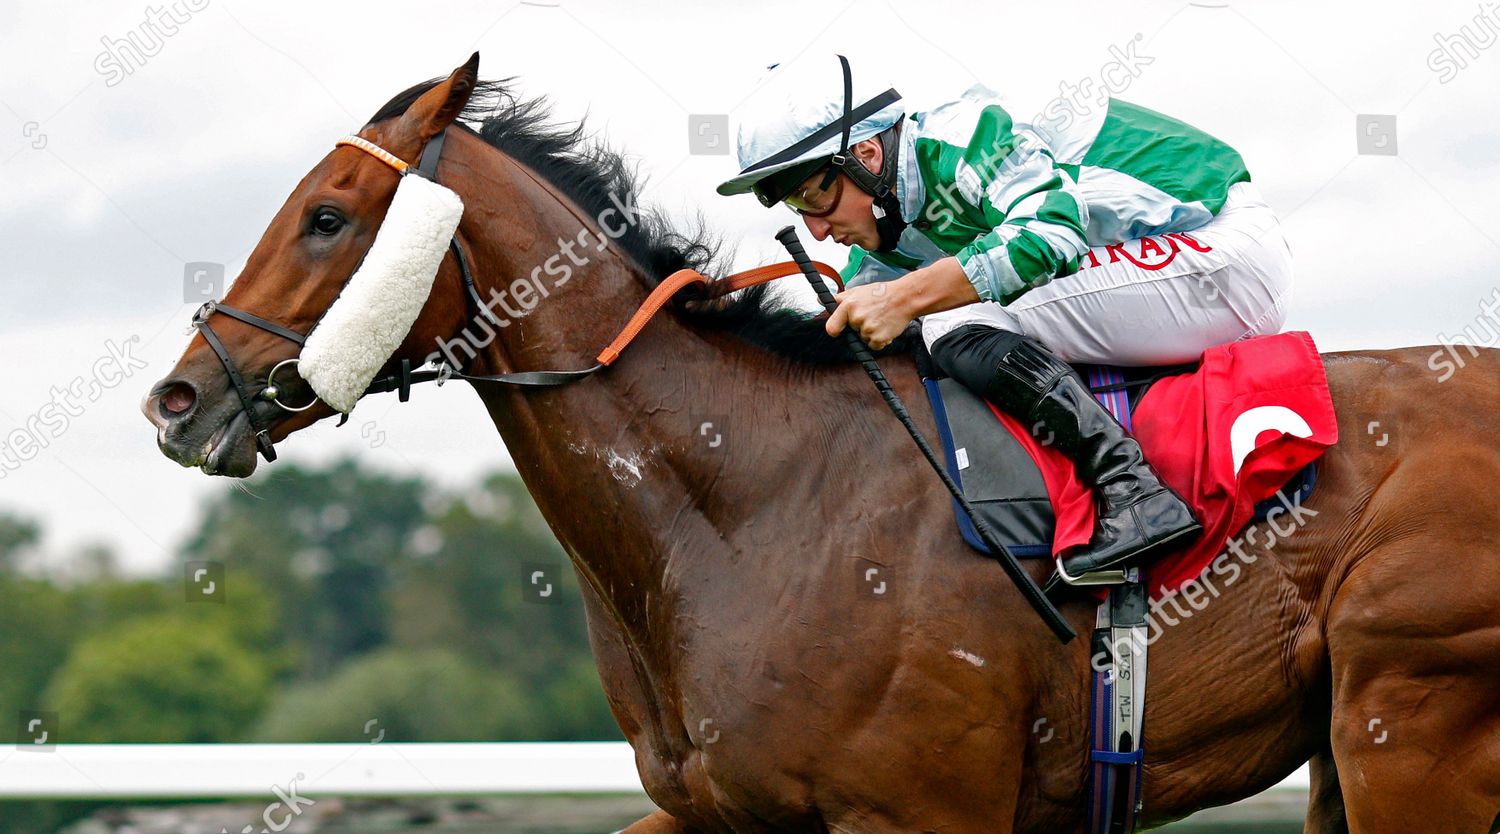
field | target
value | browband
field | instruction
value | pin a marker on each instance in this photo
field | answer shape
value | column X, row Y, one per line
column 376, row 151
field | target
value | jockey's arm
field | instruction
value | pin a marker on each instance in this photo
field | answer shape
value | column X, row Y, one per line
column 1037, row 217
column 939, row 286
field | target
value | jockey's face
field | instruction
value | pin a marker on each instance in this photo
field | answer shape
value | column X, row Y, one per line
column 852, row 221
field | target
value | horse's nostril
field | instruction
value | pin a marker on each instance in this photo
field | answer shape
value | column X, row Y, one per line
column 177, row 399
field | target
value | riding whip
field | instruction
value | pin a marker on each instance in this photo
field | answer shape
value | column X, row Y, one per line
column 1033, row 594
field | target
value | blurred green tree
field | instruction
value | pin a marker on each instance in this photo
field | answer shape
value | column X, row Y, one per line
column 160, row 679
column 336, row 580
column 402, row 695
column 17, row 536
column 324, row 543
column 39, row 622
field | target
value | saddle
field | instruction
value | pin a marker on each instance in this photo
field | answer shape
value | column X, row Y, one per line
column 996, row 466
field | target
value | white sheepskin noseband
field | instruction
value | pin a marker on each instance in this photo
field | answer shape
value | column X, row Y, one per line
column 376, row 309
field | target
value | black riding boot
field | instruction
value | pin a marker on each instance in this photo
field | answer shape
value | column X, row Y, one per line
column 1137, row 515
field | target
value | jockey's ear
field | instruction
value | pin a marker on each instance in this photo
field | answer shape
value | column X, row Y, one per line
column 437, row 108
column 870, row 153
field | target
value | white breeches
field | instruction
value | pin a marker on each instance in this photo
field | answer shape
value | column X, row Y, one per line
column 1158, row 300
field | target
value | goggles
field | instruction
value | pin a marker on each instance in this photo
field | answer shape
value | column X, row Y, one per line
column 820, row 198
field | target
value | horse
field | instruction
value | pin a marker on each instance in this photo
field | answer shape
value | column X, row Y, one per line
column 790, row 631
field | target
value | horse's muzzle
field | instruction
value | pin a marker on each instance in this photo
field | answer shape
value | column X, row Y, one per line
column 211, row 433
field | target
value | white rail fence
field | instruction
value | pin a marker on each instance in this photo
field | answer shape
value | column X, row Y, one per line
column 181, row 771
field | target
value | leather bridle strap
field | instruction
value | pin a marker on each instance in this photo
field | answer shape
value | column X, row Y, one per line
column 431, row 153
column 263, row 324
column 649, row 308
column 258, row 424
column 688, row 277
column 247, row 399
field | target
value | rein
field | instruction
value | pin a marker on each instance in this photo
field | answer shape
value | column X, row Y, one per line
column 405, row 376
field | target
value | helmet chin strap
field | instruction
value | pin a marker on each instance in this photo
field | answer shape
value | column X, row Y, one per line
column 889, row 223
column 887, row 207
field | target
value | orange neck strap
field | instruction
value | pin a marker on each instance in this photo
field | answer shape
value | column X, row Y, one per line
column 687, row 277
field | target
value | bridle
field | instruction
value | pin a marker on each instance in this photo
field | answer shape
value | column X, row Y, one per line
column 271, row 392
column 405, row 376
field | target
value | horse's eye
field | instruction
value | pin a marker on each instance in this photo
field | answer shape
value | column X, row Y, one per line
column 327, row 223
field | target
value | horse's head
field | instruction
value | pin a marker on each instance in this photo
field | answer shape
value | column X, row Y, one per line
column 235, row 390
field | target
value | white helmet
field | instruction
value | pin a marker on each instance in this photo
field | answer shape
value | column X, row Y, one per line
column 808, row 117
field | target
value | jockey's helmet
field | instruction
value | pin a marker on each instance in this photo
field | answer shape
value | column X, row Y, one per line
column 807, row 121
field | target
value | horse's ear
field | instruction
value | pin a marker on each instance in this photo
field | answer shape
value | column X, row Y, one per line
column 437, row 108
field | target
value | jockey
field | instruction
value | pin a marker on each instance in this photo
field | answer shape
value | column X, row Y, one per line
column 1118, row 236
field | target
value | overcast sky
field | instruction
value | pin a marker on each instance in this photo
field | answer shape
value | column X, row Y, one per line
column 114, row 180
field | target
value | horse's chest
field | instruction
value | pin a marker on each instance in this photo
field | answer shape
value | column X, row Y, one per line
column 733, row 736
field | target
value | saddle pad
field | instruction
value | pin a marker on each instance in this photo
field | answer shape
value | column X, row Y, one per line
column 998, row 470
column 1247, row 424
column 998, row 473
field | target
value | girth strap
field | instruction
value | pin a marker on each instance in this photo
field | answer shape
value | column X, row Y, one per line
column 1117, row 719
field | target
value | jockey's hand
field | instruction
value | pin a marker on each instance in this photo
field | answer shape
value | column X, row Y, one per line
column 877, row 312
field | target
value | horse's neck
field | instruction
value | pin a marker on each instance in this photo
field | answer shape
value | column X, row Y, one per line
column 648, row 469
column 656, row 471
column 651, row 471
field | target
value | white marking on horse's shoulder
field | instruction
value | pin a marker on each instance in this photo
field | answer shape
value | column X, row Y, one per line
column 967, row 656
column 626, row 470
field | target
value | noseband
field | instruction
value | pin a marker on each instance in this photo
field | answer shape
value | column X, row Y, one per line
column 247, row 400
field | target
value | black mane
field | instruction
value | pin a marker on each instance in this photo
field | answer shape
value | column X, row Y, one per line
column 589, row 172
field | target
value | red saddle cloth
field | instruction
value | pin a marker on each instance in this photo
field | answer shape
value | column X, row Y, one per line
column 1226, row 437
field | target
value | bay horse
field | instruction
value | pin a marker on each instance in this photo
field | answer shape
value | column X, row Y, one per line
column 790, row 631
